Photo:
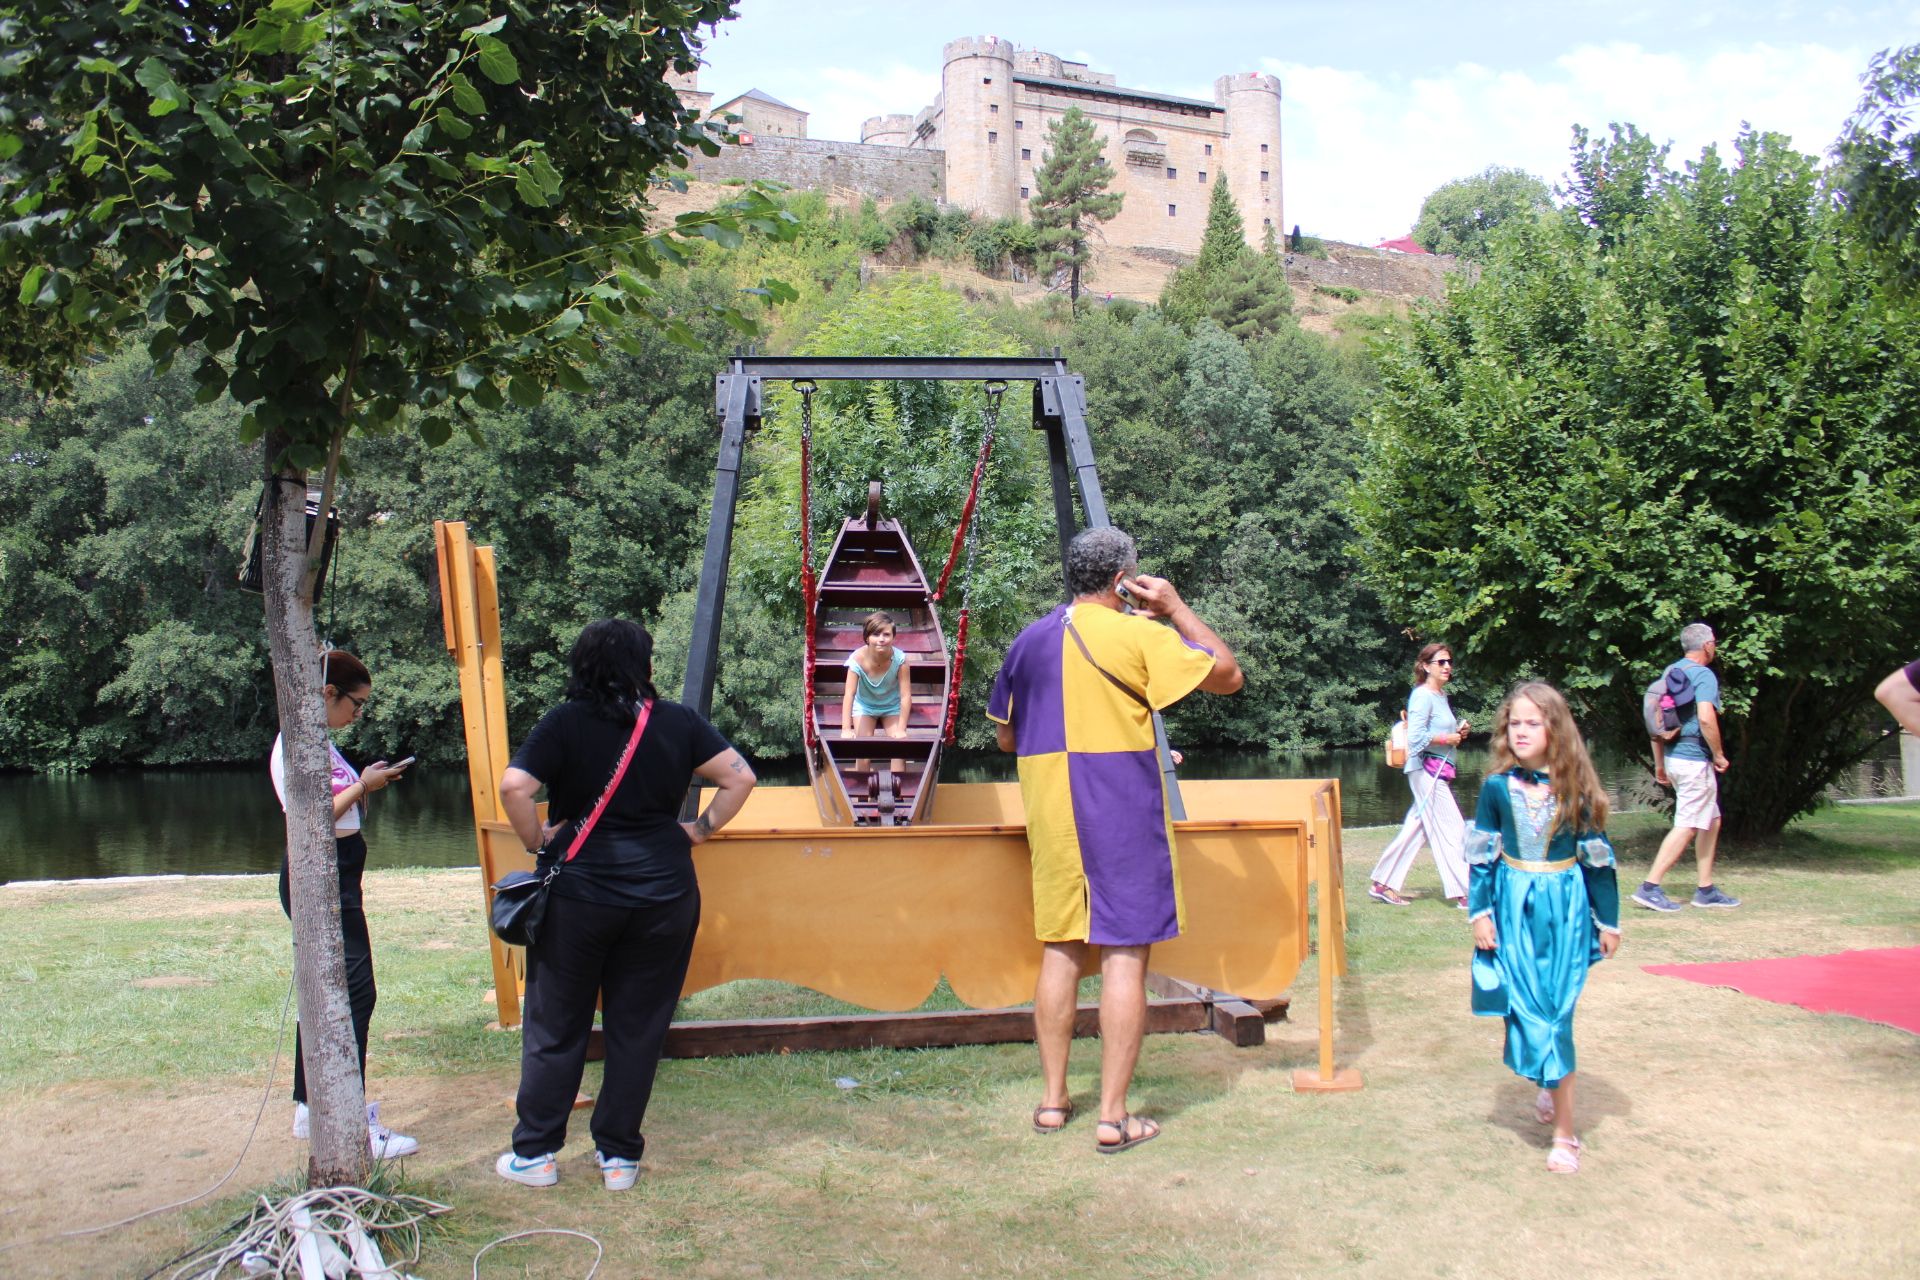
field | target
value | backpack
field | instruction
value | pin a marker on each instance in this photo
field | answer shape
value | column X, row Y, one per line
column 1397, row 743
column 1667, row 704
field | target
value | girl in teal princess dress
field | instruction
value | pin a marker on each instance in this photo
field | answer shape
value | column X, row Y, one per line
column 1542, row 894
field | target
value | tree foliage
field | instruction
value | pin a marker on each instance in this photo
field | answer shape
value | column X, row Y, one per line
column 1070, row 198
column 1879, row 165
column 1459, row 216
column 1686, row 400
column 1242, row 290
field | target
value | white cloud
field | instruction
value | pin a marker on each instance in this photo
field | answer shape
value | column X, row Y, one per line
column 1362, row 152
column 841, row 97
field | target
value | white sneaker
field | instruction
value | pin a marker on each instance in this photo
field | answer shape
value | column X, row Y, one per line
column 300, row 1122
column 528, row 1171
column 384, row 1142
column 618, row 1174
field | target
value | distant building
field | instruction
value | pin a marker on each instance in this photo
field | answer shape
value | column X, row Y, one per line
column 987, row 135
column 764, row 116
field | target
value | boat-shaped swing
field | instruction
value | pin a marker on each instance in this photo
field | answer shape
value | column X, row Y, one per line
column 876, row 780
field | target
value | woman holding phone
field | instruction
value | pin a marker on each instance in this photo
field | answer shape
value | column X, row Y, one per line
column 1433, row 738
column 345, row 687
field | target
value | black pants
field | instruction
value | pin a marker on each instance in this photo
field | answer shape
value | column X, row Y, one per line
column 633, row 958
column 361, row 994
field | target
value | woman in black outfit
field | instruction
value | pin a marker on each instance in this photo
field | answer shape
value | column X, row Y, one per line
column 621, row 916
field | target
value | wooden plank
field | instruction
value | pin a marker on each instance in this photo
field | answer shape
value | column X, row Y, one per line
column 1238, row 1023
column 731, row 1038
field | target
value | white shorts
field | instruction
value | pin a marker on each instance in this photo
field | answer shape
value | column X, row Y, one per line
column 1696, row 793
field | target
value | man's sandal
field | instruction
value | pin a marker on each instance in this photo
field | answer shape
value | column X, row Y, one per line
column 1065, row 1113
column 1146, row 1131
column 1565, row 1156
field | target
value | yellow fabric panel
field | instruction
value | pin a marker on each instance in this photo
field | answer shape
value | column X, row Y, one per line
column 1059, row 878
column 1147, row 655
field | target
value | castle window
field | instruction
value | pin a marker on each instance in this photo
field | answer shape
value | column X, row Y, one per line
column 986, row 79
column 992, row 136
column 1173, row 173
column 993, row 108
column 1263, row 175
column 1263, row 148
column 1023, row 196
column 1203, row 175
column 1026, row 153
column 1173, row 211
column 1209, row 148
column 1019, row 124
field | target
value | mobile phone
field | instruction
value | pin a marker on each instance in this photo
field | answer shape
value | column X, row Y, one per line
column 1125, row 594
column 398, row 765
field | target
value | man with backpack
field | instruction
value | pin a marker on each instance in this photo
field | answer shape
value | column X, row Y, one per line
column 1691, row 763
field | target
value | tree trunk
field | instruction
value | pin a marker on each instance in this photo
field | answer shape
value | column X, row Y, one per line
column 335, row 1094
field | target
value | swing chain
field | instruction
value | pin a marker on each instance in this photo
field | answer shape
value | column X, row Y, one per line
column 972, row 527
column 809, row 592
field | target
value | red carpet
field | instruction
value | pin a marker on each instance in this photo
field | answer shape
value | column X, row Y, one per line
column 1880, row 986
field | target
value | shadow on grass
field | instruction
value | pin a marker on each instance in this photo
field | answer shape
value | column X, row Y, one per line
column 1595, row 1099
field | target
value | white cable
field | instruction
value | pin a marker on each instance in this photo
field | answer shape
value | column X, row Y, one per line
column 598, row 1251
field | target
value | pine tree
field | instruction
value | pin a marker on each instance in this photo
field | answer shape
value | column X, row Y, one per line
column 1069, row 196
column 1243, row 290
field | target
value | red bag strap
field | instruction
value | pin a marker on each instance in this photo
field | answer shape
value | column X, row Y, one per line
column 613, row 785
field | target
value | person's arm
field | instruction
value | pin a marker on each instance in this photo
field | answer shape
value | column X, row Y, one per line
column 517, row 790
column 1660, row 764
column 1482, row 849
column 1710, row 733
column 374, row 777
column 846, row 706
column 1420, row 733
column 1157, row 598
column 733, row 780
column 906, row 692
column 1902, row 701
column 1003, row 736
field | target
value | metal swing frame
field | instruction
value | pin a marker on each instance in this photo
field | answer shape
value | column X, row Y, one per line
column 1059, row 411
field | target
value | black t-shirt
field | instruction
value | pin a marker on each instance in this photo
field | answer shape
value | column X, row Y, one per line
column 638, row 853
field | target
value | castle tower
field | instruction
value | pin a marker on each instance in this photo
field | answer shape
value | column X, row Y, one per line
column 976, row 126
column 1252, row 103
column 886, row 131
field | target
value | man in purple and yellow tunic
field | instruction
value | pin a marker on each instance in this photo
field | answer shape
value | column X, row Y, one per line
column 1074, row 700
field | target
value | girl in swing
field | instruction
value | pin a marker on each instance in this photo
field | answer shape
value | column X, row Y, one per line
column 879, row 686
column 1542, row 893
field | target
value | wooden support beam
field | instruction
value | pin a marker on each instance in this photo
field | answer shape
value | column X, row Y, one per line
column 730, row 1038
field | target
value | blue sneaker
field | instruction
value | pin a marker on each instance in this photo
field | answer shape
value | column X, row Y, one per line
column 1654, row 898
column 1710, row 896
column 618, row 1174
column 528, row 1171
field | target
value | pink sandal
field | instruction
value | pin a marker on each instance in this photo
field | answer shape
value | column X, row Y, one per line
column 1565, row 1156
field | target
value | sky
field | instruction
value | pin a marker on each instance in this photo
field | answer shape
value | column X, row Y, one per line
column 1382, row 100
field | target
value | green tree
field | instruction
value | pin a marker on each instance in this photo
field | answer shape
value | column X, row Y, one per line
column 1691, row 403
column 1070, row 198
column 1242, row 290
column 1460, row 216
column 348, row 213
column 1879, row 165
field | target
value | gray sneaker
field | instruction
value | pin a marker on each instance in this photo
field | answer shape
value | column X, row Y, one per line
column 1654, row 898
column 1712, row 897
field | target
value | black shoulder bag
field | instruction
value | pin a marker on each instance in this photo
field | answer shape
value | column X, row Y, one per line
column 520, row 898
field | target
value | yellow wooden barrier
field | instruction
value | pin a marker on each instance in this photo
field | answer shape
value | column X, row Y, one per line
column 877, row 916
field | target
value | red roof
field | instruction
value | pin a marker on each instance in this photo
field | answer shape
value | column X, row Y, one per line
column 1405, row 244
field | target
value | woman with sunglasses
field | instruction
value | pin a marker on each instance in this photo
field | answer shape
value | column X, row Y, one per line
column 1433, row 736
column 345, row 686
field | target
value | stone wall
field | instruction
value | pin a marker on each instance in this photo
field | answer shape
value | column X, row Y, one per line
column 1401, row 275
column 885, row 173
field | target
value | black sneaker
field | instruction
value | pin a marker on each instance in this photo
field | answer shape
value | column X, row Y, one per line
column 1654, row 898
column 1712, row 897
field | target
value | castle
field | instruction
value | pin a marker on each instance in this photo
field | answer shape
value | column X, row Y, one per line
column 980, row 142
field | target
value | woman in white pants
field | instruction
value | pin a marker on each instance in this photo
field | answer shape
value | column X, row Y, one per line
column 1434, row 820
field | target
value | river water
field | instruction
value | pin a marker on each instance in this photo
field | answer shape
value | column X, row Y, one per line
column 201, row 822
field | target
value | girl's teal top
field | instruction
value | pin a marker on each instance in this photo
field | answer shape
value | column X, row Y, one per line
column 879, row 697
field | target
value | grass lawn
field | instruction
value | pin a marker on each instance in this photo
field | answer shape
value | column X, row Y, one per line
column 1726, row 1136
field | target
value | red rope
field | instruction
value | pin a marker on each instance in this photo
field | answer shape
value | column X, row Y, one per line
column 809, row 589
column 959, row 666
column 966, row 513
